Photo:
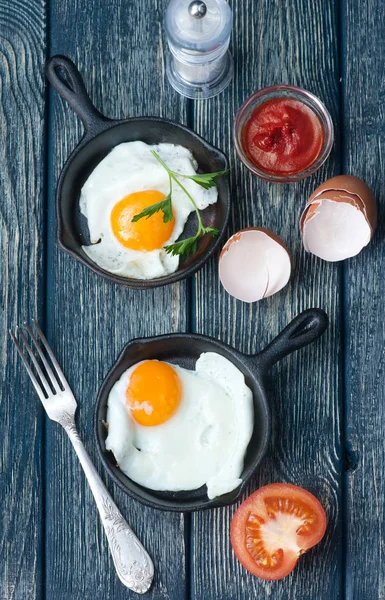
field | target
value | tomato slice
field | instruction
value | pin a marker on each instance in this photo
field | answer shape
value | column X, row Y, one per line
column 274, row 526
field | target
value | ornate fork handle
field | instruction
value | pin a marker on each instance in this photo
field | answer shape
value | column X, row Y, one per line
column 132, row 563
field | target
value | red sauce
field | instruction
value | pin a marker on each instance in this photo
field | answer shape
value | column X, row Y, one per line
column 283, row 136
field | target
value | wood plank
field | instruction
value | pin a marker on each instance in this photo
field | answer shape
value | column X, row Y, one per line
column 363, row 125
column 291, row 42
column 22, row 156
column 118, row 49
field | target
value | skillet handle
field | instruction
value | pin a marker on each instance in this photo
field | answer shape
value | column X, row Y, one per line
column 63, row 74
column 304, row 329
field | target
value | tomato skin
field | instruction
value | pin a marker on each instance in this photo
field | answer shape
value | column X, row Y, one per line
column 255, row 504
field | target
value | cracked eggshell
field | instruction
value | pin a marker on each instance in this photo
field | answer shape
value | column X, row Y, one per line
column 331, row 216
column 254, row 264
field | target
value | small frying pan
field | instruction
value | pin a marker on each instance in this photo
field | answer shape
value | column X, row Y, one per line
column 184, row 350
column 101, row 135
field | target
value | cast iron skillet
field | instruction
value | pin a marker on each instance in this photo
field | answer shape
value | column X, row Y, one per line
column 100, row 136
column 184, row 350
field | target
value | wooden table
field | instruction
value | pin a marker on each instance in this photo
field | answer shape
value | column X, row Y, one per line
column 327, row 401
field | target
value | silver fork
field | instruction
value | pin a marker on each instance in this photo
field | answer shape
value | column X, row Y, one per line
column 132, row 563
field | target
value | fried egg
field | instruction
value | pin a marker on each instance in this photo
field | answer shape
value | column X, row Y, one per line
column 173, row 429
column 128, row 180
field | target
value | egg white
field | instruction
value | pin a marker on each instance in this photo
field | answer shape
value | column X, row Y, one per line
column 204, row 442
column 128, row 168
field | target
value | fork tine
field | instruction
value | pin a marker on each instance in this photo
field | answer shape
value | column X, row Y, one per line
column 54, row 378
column 43, row 340
column 45, row 382
column 40, row 391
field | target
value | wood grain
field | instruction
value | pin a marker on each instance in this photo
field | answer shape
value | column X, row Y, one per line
column 117, row 47
column 363, row 127
column 328, row 406
column 289, row 42
column 22, row 49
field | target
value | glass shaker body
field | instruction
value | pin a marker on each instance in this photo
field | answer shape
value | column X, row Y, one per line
column 199, row 64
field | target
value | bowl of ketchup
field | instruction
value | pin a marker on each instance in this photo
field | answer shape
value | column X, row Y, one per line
column 283, row 133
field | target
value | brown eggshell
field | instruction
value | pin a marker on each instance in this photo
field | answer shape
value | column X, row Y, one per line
column 334, row 196
column 344, row 188
column 237, row 236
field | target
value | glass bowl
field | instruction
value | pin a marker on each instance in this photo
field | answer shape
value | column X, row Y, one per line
column 279, row 92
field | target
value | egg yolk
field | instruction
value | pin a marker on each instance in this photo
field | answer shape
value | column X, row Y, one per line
column 153, row 393
column 149, row 233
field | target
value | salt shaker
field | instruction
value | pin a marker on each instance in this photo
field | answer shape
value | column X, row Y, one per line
column 199, row 64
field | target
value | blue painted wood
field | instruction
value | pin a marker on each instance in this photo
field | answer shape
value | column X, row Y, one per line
column 118, row 49
column 22, row 155
column 118, row 46
column 364, row 150
column 279, row 42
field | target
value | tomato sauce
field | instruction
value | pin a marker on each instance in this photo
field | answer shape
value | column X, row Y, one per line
column 283, row 136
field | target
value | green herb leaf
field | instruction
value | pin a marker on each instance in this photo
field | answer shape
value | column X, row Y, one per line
column 183, row 247
column 165, row 206
column 213, row 231
column 189, row 245
column 206, row 180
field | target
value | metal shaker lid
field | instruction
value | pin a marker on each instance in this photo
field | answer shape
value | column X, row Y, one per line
column 198, row 26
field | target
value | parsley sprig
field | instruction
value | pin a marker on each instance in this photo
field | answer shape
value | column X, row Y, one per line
column 164, row 205
column 207, row 181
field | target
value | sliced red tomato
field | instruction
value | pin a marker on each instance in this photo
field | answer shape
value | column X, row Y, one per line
column 274, row 526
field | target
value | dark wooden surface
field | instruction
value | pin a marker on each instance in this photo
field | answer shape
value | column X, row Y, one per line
column 328, row 401
column 22, row 235
column 364, row 299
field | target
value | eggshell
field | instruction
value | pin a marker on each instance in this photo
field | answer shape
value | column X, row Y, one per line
column 351, row 191
column 359, row 195
column 252, row 267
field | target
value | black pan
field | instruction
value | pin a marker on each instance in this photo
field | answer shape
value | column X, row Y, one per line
column 101, row 135
column 184, row 350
